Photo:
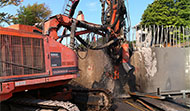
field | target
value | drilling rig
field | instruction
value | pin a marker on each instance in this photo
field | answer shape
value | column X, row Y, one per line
column 35, row 66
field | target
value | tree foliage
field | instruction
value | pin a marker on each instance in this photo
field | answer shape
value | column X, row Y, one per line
column 31, row 14
column 167, row 12
column 8, row 2
column 5, row 17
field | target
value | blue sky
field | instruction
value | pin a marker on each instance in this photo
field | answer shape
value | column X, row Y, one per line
column 90, row 8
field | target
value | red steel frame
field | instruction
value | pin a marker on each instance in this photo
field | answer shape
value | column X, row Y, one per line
column 40, row 80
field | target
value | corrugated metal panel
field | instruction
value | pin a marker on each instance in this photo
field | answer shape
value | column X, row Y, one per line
column 21, row 55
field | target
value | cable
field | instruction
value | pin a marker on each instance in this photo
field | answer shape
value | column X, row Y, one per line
column 147, row 106
column 77, row 51
column 128, row 19
column 135, row 106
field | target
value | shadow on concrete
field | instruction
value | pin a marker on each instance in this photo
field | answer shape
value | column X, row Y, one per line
column 119, row 87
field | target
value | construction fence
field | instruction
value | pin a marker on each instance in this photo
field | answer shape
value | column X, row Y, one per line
column 160, row 36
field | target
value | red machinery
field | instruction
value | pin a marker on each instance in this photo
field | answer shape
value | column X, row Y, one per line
column 29, row 60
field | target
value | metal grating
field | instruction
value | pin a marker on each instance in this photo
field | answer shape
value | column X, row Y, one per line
column 21, row 55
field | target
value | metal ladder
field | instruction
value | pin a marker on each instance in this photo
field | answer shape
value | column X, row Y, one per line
column 68, row 7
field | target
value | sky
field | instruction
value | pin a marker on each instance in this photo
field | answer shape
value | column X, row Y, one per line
column 90, row 8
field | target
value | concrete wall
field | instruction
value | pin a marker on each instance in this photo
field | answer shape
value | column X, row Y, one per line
column 96, row 70
column 164, row 68
column 92, row 65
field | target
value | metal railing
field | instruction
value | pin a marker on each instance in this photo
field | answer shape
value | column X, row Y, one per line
column 160, row 36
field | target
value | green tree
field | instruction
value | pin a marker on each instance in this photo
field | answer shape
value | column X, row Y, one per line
column 167, row 12
column 5, row 17
column 32, row 14
column 8, row 2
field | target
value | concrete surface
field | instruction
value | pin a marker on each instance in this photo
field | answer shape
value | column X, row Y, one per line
column 164, row 68
column 96, row 70
column 92, row 65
